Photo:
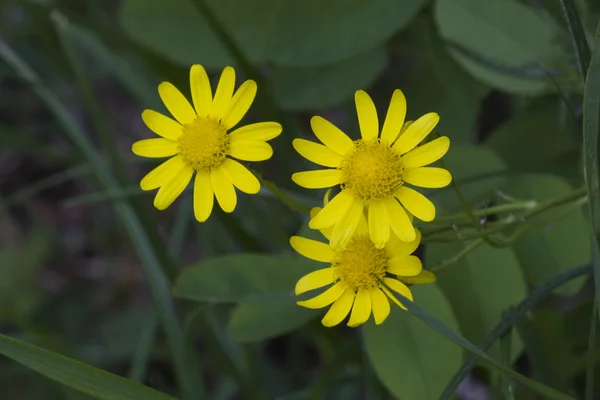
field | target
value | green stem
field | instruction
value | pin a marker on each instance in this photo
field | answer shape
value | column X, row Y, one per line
column 524, row 205
column 280, row 194
column 450, row 261
column 591, row 361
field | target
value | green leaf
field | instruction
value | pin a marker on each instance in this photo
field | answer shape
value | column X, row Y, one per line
column 244, row 277
column 537, row 140
column 562, row 245
column 253, row 322
column 411, row 359
column 293, row 33
column 480, row 287
column 313, row 88
column 501, row 42
column 77, row 375
column 580, row 44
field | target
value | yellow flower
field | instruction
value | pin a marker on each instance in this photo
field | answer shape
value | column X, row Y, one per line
column 373, row 170
column 199, row 141
column 357, row 271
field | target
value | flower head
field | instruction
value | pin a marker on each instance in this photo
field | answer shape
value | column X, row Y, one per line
column 373, row 172
column 199, row 141
column 358, row 274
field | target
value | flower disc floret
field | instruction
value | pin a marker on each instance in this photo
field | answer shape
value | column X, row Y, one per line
column 204, row 144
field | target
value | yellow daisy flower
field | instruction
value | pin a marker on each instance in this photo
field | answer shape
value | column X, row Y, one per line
column 199, row 141
column 373, row 171
column 356, row 274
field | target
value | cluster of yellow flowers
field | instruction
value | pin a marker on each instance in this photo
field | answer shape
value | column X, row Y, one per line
column 368, row 225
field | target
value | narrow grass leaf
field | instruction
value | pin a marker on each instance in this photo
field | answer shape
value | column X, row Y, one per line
column 580, row 44
column 591, row 361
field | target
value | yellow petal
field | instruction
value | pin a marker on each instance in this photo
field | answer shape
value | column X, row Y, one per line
column 201, row 90
column 315, row 280
column 170, row 190
column 394, row 118
column 155, row 148
column 250, row 150
column 204, row 197
column 427, row 153
column 379, row 226
column 367, row 115
column 339, row 309
column 380, row 305
column 423, row 277
column 404, row 265
column 361, row 311
column 345, row 228
column 162, row 125
column 331, row 136
column 363, row 227
column 223, row 94
column 240, row 104
column 240, row 176
column 327, row 231
column 176, row 103
column 163, row 173
column 418, row 205
column 399, row 221
column 318, row 179
column 261, row 131
column 333, row 211
column 325, row 298
column 416, row 132
column 312, row 249
column 397, row 287
column 224, row 190
column 427, row 177
column 317, row 153
column 396, row 247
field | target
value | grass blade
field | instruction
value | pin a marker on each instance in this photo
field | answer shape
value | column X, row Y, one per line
column 591, row 361
column 75, row 374
column 580, row 44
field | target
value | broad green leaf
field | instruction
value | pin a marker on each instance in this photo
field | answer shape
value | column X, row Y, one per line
column 412, row 360
column 537, row 140
column 313, row 88
column 77, row 375
column 293, row 32
column 503, row 43
column 480, row 287
column 560, row 246
column 244, row 277
column 252, row 322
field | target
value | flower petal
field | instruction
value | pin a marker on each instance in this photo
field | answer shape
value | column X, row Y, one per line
column 380, row 305
column 162, row 125
column 394, row 118
column 155, row 148
column 169, row 191
column 317, row 153
column 250, row 150
column 325, row 298
column 427, row 153
column 361, row 311
column 339, row 309
column 398, row 287
column 240, row 176
column 417, row 204
column 201, row 90
column 317, row 179
column 261, row 131
column 399, row 220
column 312, row 249
column 334, row 211
column 240, row 104
column 315, row 280
column 345, row 228
column 367, row 115
column 427, row 177
column 423, row 277
column 363, row 227
column 416, row 132
column 404, row 265
column 331, row 136
column 162, row 174
column 176, row 103
column 223, row 94
column 396, row 247
column 224, row 190
column 204, row 196
column 379, row 226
